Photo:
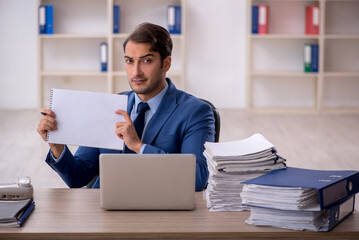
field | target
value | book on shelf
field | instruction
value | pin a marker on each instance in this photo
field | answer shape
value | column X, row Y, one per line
column 322, row 221
column 174, row 19
column 255, row 19
column 301, row 199
column 263, row 12
column 315, row 58
column 42, row 19
column 311, row 57
column 116, row 19
column 231, row 163
column 46, row 19
column 103, row 56
column 312, row 20
column 307, row 57
column 49, row 19
column 15, row 213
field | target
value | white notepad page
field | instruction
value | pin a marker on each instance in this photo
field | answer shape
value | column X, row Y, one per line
column 86, row 118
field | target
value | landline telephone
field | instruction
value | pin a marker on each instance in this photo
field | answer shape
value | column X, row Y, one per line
column 17, row 191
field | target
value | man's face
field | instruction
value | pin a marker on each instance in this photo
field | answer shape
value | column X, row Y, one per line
column 145, row 72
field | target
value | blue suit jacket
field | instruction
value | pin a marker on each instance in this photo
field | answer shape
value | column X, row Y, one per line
column 181, row 124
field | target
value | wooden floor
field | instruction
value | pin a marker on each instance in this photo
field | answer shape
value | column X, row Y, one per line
column 307, row 140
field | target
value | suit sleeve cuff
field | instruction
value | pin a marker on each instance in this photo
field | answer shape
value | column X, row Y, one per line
column 142, row 148
column 55, row 160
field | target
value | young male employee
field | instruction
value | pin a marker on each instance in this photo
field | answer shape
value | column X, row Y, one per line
column 174, row 121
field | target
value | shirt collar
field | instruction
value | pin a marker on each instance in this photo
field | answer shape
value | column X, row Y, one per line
column 154, row 102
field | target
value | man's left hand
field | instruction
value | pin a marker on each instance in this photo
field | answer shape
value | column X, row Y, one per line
column 127, row 132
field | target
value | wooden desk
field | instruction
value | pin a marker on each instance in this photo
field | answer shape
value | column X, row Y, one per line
column 76, row 213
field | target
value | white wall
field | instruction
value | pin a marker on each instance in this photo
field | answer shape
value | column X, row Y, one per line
column 215, row 55
column 18, row 60
column 216, row 51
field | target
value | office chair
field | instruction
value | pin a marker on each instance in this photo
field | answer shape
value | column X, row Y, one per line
column 217, row 127
column 217, row 119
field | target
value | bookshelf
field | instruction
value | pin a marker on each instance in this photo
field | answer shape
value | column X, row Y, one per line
column 276, row 80
column 69, row 58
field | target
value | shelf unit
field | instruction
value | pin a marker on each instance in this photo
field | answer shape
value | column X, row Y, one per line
column 276, row 80
column 69, row 58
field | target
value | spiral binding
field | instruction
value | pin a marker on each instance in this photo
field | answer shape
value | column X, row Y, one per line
column 50, row 106
column 51, row 95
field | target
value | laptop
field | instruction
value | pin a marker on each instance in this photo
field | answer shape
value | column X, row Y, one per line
column 147, row 181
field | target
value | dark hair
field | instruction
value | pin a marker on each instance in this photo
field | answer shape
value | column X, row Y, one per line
column 157, row 36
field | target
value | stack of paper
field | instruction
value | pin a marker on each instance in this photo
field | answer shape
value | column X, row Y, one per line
column 231, row 163
column 285, row 198
column 301, row 199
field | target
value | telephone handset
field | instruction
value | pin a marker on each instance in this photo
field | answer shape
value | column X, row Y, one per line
column 17, row 191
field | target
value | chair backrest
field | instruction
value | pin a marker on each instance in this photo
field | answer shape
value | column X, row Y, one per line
column 217, row 120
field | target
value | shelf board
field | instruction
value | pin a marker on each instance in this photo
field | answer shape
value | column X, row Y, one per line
column 176, row 36
column 72, row 73
column 72, row 35
column 282, row 110
column 171, row 73
column 340, row 110
column 174, row 73
column 125, row 35
column 119, row 74
column 341, row 36
column 341, row 74
column 284, row 36
column 283, row 73
column 120, row 35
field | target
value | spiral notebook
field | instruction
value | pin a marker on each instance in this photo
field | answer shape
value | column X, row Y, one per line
column 86, row 118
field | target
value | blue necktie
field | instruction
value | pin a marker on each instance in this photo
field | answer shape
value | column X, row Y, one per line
column 139, row 122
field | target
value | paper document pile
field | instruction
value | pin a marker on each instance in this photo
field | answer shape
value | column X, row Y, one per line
column 231, row 163
column 301, row 199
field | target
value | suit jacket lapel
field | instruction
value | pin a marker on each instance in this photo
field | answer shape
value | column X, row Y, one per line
column 130, row 102
column 164, row 111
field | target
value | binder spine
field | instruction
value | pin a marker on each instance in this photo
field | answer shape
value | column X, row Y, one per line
column 171, row 19
column 42, row 19
column 174, row 19
column 26, row 214
column 49, row 19
column 307, row 57
column 315, row 58
column 312, row 20
column 339, row 212
column 116, row 19
column 338, row 191
column 178, row 19
column 50, row 107
column 103, row 56
column 255, row 19
column 263, row 12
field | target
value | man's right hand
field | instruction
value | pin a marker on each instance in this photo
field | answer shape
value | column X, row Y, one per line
column 48, row 123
